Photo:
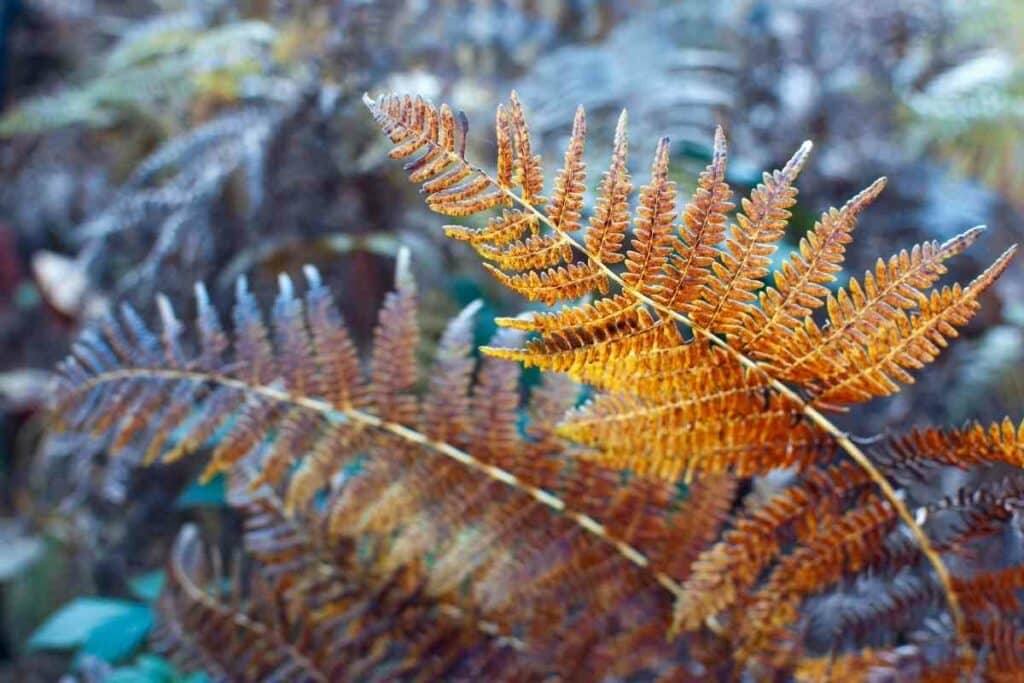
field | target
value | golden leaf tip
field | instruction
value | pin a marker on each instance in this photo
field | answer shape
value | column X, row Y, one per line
column 866, row 196
column 992, row 273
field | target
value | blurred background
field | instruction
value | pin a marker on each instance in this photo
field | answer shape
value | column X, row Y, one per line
column 146, row 145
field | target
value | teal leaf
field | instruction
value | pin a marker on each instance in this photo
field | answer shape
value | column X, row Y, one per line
column 71, row 625
column 117, row 638
column 147, row 586
column 150, row 668
column 211, row 494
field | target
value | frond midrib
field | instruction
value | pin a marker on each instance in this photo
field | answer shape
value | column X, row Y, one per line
column 366, row 419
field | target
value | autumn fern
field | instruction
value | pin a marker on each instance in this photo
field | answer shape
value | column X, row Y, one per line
column 700, row 365
column 409, row 526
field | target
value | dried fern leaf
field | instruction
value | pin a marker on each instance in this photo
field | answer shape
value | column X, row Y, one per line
column 876, row 335
column 490, row 527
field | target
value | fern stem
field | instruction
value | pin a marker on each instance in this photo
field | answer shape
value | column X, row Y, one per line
column 809, row 411
column 331, row 412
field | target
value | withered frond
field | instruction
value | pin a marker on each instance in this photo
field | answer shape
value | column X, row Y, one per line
column 357, row 488
column 407, row 525
column 700, row 364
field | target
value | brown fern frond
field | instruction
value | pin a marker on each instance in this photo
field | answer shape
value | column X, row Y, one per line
column 725, row 572
column 394, row 367
column 552, row 399
column 844, row 547
column 997, row 589
column 232, row 636
column 491, row 533
column 974, row 444
column 446, row 405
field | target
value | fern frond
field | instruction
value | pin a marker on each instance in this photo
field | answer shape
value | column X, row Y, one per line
column 500, row 230
column 394, row 368
column 688, row 270
column 656, row 211
column 727, row 429
column 801, row 284
column 973, row 444
column 727, row 298
column 846, row 546
column 446, row 405
column 204, row 625
column 554, row 284
column 725, row 572
column 491, row 527
column 610, row 221
column 905, row 343
column 856, row 311
column 878, row 331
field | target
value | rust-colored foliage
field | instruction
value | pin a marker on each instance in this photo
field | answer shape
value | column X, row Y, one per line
column 396, row 531
column 702, row 367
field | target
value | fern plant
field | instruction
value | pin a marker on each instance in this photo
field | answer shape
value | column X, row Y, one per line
column 394, row 534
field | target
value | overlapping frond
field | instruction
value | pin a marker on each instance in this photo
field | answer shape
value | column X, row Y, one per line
column 370, row 498
column 235, row 631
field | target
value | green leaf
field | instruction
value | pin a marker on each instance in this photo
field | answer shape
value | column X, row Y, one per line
column 117, row 638
column 147, row 586
column 211, row 494
column 72, row 624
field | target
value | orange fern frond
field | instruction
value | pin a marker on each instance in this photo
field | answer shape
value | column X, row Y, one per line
column 608, row 225
column 727, row 298
column 973, row 444
column 688, row 270
column 878, row 332
column 801, row 284
column 656, row 211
